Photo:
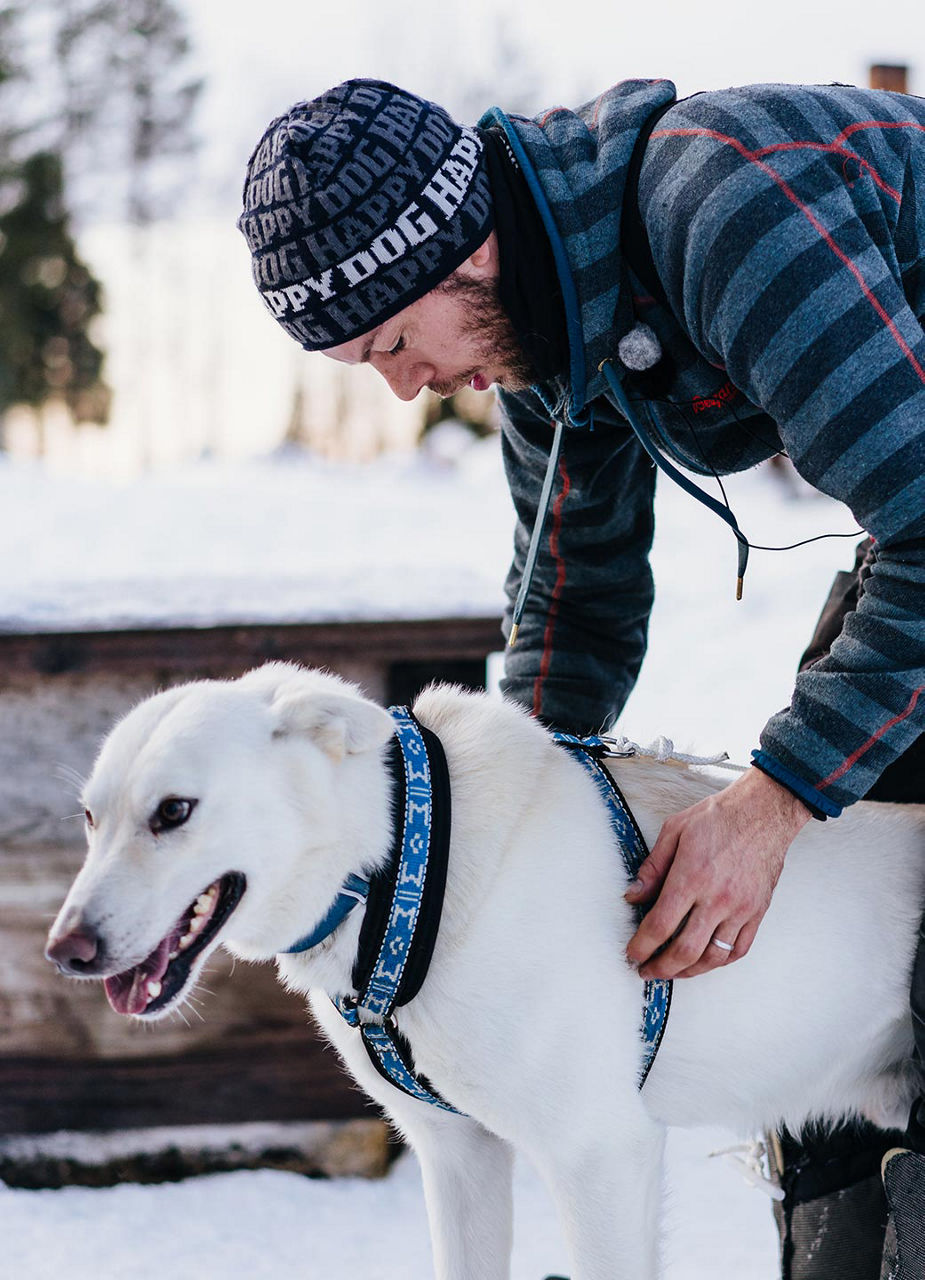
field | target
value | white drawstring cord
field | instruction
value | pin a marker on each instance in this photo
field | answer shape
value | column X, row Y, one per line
column 662, row 750
column 749, row 1158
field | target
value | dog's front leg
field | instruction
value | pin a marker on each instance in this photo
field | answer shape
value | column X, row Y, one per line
column 467, row 1170
column 467, row 1185
column 606, row 1179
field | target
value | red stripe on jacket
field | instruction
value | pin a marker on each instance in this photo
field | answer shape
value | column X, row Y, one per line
column 791, row 195
column 874, row 737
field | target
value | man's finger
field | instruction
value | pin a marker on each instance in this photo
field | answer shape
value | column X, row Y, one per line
column 651, row 875
column 720, row 950
column 743, row 941
column 746, row 937
column 664, row 920
column 687, row 948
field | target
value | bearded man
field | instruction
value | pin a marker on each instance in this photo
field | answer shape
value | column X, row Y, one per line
column 704, row 283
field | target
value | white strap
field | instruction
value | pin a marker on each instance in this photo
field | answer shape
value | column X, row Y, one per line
column 662, row 750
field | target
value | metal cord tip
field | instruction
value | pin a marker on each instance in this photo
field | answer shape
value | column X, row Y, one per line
column 512, row 639
column 739, row 582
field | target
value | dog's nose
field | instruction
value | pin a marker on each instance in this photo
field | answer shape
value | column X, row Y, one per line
column 75, row 950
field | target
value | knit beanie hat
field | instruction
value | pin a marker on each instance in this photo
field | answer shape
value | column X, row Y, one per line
column 358, row 203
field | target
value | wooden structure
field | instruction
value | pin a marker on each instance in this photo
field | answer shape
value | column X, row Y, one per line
column 894, row 78
column 66, row 1060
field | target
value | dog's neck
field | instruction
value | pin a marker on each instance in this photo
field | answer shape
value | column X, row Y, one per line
column 361, row 794
column 326, row 956
column 404, row 900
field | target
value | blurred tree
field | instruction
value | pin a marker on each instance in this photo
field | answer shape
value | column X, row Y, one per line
column 95, row 111
column 126, row 102
column 48, row 298
column 48, row 301
column 127, row 105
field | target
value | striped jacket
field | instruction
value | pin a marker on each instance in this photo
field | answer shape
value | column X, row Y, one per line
column 787, row 228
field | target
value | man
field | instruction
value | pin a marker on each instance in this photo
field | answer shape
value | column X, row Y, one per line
column 707, row 283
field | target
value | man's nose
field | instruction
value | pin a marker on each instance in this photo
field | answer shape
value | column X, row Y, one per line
column 407, row 381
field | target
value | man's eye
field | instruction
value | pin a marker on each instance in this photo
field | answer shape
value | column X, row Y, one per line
column 399, row 346
column 171, row 812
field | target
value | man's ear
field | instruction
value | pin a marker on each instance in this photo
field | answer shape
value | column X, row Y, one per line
column 484, row 263
column 340, row 724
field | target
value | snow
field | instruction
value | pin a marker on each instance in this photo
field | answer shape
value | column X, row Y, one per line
column 281, row 540
column 419, row 536
column 266, row 1224
column 291, row 538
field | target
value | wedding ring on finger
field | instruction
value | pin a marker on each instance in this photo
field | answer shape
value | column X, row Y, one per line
column 723, row 946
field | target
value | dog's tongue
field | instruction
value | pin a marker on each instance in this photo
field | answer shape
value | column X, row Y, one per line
column 128, row 992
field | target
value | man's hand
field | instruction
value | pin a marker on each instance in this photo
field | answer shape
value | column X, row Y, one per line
column 713, row 869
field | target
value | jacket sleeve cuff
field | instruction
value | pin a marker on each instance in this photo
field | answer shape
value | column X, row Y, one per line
column 820, row 806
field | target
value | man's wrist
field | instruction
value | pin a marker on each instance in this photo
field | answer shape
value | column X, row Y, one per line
column 771, row 801
column 819, row 805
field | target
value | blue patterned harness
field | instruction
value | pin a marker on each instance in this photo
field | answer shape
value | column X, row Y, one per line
column 404, row 900
column 657, row 991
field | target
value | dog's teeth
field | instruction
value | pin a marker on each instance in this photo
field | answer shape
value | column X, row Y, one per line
column 174, row 954
column 203, row 903
column 154, row 990
column 187, row 940
column 196, row 923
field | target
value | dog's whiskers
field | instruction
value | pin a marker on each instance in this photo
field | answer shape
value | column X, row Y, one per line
column 67, row 773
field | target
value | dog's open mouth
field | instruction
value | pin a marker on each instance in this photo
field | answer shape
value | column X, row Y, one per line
column 152, row 985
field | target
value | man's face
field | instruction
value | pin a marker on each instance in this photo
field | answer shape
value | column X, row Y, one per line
column 456, row 335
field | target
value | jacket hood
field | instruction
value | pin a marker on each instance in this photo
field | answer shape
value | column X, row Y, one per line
column 576, row 164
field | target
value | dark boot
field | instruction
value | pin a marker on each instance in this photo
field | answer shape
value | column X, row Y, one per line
column 833, row 1217
column 904, row 1245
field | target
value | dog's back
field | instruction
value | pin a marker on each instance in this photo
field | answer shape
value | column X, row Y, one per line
column 815, row 1019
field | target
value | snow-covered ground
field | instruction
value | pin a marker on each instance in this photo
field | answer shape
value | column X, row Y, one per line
column 264, row 1225
column 418, row 536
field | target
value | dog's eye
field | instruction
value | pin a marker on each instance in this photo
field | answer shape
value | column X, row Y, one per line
column 89, row 817
column 171, row 812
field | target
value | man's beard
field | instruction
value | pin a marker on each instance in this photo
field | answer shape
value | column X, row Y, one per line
column 497, row 345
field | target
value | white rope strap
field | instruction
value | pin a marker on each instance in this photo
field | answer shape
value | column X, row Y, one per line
column 750, row 1158
column 662, row 750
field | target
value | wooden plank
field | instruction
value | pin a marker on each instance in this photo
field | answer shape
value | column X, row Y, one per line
column 356, row 1148
column 257, row 1082
column 192, row 651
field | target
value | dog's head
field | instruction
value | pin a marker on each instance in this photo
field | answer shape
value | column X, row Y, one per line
column 242, row 801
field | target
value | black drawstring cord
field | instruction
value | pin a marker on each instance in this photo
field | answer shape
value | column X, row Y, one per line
column 722, row 509
column 677, row 476
column 778, row 453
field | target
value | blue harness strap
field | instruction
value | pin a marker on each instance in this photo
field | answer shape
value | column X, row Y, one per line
column 355, row 890
column 403, row 903
column 380, row 994
column 632, row 846
column 394, row 965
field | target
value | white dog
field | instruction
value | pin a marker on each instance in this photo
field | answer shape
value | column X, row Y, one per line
column 230, row 813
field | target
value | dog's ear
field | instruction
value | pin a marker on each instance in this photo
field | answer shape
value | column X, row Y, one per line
column 341, row 724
